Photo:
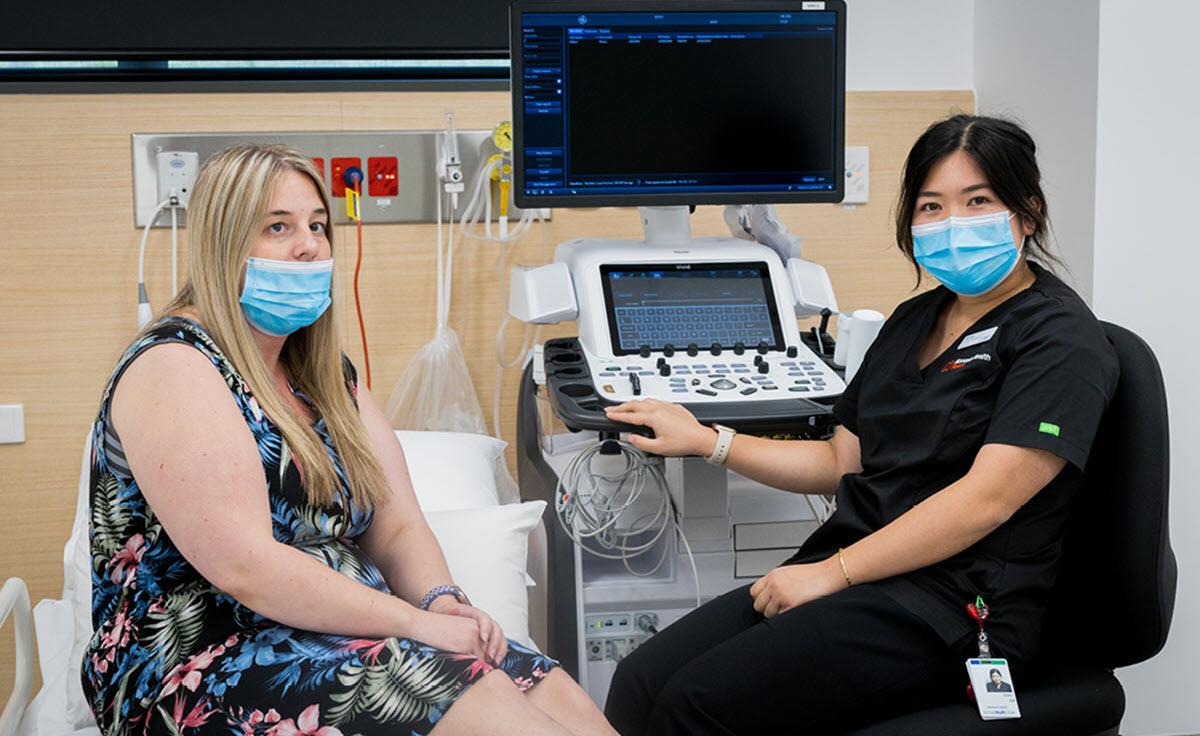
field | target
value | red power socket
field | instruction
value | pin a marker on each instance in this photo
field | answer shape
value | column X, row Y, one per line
column 382, row 179
column 337, row 167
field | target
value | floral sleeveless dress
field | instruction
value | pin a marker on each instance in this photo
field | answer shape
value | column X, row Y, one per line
column 172, row 654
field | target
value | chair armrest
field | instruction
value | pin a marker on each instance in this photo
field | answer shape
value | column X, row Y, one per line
column 14, row 598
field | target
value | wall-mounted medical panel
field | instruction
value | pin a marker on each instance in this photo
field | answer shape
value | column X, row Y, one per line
column 398, row 167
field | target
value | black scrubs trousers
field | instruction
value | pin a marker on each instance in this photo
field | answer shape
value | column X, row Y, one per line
column 1034, row 372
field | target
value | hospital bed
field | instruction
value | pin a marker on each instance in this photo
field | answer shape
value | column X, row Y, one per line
column 454, row 476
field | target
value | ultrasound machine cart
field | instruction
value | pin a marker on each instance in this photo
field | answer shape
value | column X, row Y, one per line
column 666, row 105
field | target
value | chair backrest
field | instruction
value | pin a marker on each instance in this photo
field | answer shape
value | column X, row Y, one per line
column 1117, row 560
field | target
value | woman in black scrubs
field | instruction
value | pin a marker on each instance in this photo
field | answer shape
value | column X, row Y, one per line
column 962, row 442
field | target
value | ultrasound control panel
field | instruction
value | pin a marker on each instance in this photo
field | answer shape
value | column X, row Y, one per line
column 709, row 324
column 792, row 395
column 716, row 375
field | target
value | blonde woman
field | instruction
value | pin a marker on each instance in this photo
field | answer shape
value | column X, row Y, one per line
column 260, row 564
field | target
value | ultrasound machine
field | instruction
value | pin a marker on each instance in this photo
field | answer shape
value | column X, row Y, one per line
column 664, row 106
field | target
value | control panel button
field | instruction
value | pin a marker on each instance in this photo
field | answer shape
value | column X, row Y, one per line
column 748, row 391
column 792, row 351
column 763, row 347
column 715, row 348
column 706, row 392
column 644, row 351
column 668, row 350
column 739, row 348
column 763, row 367
column 723, row 384
column 693, row 349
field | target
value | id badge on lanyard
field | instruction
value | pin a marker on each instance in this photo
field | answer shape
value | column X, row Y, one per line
column 991, row 684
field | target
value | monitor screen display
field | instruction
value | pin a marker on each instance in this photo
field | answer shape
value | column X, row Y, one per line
column 679, row 304
column 625, row 104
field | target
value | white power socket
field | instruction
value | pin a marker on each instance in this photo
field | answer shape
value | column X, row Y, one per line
column 177, row 174
column 858, row 175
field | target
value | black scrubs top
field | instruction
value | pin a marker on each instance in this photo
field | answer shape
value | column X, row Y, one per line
column 1036, row 371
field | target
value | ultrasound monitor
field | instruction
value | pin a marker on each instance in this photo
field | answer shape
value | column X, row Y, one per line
column 690, row 304
column 678, row 103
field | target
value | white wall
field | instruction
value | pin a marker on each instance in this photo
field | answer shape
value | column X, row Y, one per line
column 1147, row 263
column 1036, row 62
column 914, row 44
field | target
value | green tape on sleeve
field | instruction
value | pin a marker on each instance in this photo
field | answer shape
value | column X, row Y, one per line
column 1048, row 428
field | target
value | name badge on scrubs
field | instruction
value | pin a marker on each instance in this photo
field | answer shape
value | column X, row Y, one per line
column 993, row 687
column 978, row 338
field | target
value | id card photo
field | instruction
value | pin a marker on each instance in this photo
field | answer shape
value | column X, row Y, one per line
column 993, row 686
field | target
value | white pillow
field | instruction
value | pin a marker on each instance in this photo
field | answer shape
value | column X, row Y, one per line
column 486, row 549
column 452, row 470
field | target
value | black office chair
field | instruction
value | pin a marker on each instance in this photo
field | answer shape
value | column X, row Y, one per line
column 1117, row 560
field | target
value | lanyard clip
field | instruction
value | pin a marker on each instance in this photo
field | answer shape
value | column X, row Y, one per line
column 979, row 612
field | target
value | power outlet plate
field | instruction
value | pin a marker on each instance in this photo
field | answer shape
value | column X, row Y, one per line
column 176, row 174
column 858, row 175
column 412, row 179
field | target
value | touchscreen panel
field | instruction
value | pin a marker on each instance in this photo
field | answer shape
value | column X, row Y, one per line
column 684, row 303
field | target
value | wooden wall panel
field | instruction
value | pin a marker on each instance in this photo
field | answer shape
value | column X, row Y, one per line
column 69, row 262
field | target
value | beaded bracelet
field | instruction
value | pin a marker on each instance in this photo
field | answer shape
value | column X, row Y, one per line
column 440, row 590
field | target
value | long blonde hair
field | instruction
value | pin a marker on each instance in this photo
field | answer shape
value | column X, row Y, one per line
column 228, row 205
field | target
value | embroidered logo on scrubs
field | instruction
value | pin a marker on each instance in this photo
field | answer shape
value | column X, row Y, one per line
column 958, row 363
column 1048, row 428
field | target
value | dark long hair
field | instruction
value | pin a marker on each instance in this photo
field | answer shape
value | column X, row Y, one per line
column 1006, row 155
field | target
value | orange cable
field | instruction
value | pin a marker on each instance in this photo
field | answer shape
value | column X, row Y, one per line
column 362, row 329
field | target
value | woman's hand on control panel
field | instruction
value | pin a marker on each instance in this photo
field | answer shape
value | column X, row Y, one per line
column 676, row 431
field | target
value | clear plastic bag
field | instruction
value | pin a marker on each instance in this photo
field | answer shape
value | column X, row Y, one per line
column 435, row 393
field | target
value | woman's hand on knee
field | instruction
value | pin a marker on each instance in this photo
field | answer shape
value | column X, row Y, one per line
column 459, row 634
column 491, row 636
column 789, row 586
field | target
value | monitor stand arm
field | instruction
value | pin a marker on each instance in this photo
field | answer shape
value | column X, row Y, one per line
column 666, row 225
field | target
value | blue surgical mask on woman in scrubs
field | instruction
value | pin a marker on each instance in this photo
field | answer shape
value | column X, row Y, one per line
column 969, row 255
